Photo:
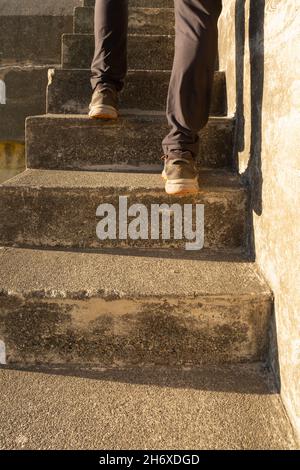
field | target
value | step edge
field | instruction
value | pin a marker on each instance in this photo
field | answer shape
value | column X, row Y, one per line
column 263, row 292
column 16, row 182
column 124, row 113
column 91, row 36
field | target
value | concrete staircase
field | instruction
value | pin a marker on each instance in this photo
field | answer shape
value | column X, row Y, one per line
column 142, row 336
column 68, row 298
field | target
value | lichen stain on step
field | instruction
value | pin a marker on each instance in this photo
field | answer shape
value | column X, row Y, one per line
column 166, row 331
column 12, row 159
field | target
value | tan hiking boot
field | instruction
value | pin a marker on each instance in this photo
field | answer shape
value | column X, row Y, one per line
column 180, row 173
column 104, row 104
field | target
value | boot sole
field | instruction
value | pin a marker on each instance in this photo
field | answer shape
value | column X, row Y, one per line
column 180, row 187
column 103, row 112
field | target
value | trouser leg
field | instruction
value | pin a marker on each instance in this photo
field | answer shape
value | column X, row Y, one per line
column 109, row 64
column 196, row 43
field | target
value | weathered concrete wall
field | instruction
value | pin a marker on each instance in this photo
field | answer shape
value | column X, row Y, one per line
column 258, row 50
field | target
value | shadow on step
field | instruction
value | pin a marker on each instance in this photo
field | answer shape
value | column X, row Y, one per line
column 253, row 172
column 236, row 256
column 231, row 378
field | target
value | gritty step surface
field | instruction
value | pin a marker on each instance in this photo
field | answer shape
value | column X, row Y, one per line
column 141, row 20
column 58, row 208
column 69, row 91
column 130, row 309
column 30, row 272
column 157, row 408
column 74, row 142
column 147, row 52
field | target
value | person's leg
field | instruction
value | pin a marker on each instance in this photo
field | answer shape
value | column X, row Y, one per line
column 193, row 72
column 109, row 64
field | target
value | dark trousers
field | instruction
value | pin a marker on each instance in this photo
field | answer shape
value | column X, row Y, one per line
column 196, row 39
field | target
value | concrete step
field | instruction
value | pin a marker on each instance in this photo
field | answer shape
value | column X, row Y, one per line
column 141, row 20
column 69, row 91
column 206, row 408
column 145, row 52
column 116, row 310
column 139, row 3
column 58, row 209
column 77, row 142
